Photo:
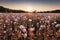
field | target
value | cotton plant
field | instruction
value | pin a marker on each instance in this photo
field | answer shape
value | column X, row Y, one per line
column 32, row 29
column 57, row 25
column 22, row 27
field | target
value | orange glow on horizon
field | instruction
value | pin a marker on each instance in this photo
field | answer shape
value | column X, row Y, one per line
column 29, row 9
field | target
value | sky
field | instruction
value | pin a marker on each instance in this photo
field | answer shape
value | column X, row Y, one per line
column 31, row 5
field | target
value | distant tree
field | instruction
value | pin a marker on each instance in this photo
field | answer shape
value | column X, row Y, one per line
column 4, row 10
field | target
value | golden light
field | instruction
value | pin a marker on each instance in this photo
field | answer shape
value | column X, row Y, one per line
column 29, row 9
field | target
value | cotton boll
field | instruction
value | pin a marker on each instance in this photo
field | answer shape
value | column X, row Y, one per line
column 58, row 25
column 42, row 18
column 4, row 31
column 25, row 35
column 32, row 29
column 49, row 17
column 47, row 21
column 4, row 25
column 15, row 19
column 42, row 26
column 55, row 22
column 24, row 17
column 37, row 24
column 24, row 30
column 11, row 29
column 21, row 26
column 52, row 23
column 6, row 21
column 30, row 19
column 14, row 22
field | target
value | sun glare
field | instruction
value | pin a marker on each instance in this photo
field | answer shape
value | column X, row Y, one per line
column 30, row 9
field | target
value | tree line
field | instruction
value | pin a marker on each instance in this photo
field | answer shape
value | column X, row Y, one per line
column 7, row 10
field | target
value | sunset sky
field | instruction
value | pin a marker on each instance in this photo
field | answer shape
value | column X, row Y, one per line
column 31, row 5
